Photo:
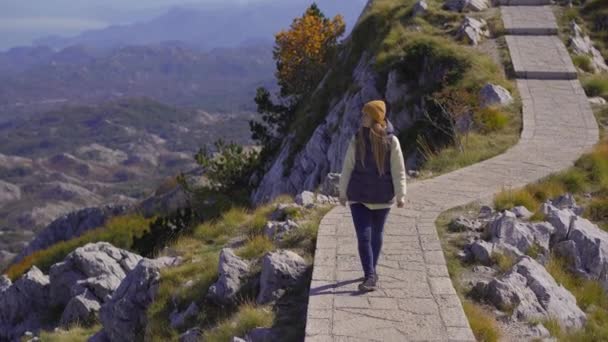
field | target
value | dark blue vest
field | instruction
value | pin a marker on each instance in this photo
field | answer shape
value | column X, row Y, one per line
column 365, row 184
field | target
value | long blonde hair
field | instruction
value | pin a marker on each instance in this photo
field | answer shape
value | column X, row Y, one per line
column 380, row 144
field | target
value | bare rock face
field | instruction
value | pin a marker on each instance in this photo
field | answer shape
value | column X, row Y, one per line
column 80, row 309
column 23, row 304
column 9, row 193
column 124, row 316
column 330, row 186
column 96, row 269
column 506, row 229
column 587, row 247
column 232, row 272
column 581, row 44
column 70, row 226
column 530, row 291
column 280, row 270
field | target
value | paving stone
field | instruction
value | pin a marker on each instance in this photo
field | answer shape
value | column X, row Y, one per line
column 540, row 57
column 526, row 20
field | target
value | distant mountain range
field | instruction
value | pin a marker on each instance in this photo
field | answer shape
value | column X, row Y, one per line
column 223, row 80
column 210, row 26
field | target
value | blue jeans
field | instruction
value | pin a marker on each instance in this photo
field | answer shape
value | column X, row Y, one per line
column 369, row 225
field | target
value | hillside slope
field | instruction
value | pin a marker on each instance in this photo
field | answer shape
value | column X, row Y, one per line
column 394, row 54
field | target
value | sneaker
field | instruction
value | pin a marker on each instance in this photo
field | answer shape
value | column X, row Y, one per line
column 369, row 284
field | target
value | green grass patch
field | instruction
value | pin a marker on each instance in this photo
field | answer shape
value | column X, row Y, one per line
column 74, row 334
column 590, row 297
column 583, row 62
column 596, row 85
column 119, row 231
column 504, row 261
column 510, row 198
column 246, row 318
column 483, row 324
column 255, row 247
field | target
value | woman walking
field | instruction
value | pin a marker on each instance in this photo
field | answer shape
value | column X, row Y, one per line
column 372, row 180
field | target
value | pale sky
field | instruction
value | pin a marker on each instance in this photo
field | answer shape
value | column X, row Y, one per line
column 21, row 21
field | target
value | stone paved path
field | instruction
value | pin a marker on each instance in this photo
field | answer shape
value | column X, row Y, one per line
column 416, row 300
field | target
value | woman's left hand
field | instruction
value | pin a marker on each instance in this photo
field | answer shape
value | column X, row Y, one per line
column 400, row 203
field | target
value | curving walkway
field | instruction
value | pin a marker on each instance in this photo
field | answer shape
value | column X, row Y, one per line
column 416, row 300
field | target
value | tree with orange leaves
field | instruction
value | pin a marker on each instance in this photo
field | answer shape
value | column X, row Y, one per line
column 304, row 52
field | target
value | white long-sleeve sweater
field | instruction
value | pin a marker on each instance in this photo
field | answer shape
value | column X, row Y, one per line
column 397, row 172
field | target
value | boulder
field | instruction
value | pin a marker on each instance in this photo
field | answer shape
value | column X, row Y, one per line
column 179, row 319
column 581, row 44
column 80, row 309
column 481, row 251
column 473, row 30
column 466, row 5
column 485, row 212
column 521, row 212
column 587, row 248
column 70, row 226
column 532, row 294
column 276, row 230
column 560, row 219
column 461, row 224
column 124, row 316
column 331, row 185
column 508, row 230
column 420, row 7
column 95, row 267
column 23, row 304
column 232, row 273
column 599, row 101
column 494, row 95
column 192, row 335
column 280, row 271
column 567, row 201
column 306, row 199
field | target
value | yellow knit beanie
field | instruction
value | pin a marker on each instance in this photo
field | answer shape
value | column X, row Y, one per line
column 377, row 111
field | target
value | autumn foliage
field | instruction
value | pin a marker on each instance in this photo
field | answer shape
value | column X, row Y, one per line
column 304, row 51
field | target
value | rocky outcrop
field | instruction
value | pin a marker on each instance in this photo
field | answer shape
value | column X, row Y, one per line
column 70, row 226
column 461, row 224
column 124, row 316
column 331, row 185
column 9, row 193
column 581, row 44
column 80, row 309
column 96, row 269
column 473, row 30
column 276, row 230
column 232, row 273
column 531, row 293
column 507, row 230
column 494, row 95
column 586, row 248
column 280, row 270
column 305, row 199
column 23, row 305
column 179, row 319
column 325, row 150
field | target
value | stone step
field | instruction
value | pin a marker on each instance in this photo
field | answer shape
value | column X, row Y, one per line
column 522, row 2
column 540, row 57
column 529, row 20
